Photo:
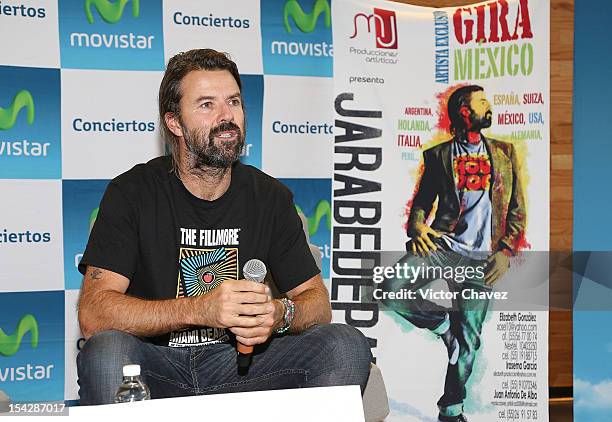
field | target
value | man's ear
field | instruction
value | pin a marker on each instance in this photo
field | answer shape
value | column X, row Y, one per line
column 172, row 121
column 465, row 111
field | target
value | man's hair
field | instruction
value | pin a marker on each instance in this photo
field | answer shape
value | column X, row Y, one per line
column 461, row 97
column 170, row 92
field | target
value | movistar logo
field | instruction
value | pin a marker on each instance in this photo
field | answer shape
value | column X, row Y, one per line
column 110, row 12
column 8, row 116
column 323, row 209
column 306, row 22
column 92, row 218
column 9, row 345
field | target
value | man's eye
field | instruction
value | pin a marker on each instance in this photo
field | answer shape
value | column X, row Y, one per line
column 207, row 104
column 235, row 102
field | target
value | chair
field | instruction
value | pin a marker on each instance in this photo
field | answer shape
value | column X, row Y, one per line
column 375, row 400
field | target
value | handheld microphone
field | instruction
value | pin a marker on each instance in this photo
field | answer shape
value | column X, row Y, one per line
column 253, row 270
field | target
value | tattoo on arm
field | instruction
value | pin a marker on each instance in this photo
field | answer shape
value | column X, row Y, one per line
column 96, row 274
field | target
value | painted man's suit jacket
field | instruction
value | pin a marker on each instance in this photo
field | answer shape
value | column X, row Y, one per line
column 506, row 192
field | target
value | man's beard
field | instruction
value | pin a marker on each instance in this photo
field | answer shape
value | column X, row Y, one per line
column 480, row 122
column 204, row 152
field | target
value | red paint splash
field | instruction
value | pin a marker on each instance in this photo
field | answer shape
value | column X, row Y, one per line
column 407, row 209
column 521, row 242
column 442, row 98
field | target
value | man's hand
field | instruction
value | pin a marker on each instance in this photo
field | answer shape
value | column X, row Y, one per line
column 421, row 244
column 497, row 265
column 234, row 303
column 270, row 321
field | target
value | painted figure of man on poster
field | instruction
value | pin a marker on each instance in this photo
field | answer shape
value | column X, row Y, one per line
column 479, row 222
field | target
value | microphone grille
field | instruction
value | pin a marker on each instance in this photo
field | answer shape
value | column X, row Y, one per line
column 254, row 270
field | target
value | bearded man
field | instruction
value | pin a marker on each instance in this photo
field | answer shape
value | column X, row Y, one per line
column 163, row 284
column 479, row 222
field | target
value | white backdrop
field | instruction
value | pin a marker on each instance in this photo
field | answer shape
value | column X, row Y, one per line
column 395, row 66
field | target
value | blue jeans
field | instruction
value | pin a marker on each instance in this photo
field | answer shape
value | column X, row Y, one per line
column 323, row 355
column 465, row 320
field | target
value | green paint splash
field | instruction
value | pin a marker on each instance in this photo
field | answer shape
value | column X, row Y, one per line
column 92, row 218
column 9, row 345
column 8, row 116
column 306, row 22
column 323, row 209
column 110, row 12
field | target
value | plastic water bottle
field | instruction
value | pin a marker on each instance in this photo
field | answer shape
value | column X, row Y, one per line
column 132, row 388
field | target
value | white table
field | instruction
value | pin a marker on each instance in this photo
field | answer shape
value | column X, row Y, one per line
column 337, row 404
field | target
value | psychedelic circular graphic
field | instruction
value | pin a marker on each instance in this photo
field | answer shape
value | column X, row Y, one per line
column 203, row 270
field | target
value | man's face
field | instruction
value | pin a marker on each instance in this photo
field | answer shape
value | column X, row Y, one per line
column 212, row 118
column 481, row 115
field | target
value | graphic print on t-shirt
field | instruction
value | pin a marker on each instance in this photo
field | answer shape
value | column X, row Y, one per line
column 200, row 271
column 472, row 172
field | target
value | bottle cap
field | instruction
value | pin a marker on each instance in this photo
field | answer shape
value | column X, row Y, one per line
column 131, row 370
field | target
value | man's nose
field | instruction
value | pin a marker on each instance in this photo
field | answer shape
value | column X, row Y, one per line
column 225, row 113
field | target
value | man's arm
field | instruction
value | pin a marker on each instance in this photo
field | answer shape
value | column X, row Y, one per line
column 516, row 221
column 311, row 305
column 103, row 305
column 516, row 218
column 424, row 197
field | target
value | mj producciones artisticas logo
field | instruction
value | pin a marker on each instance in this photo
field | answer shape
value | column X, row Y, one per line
column 306, row 22
column 385, row 26
column 8, row 115
column 108, row 11
column 10, row 344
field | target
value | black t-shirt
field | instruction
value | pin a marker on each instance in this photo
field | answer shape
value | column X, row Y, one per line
column 171, row 244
